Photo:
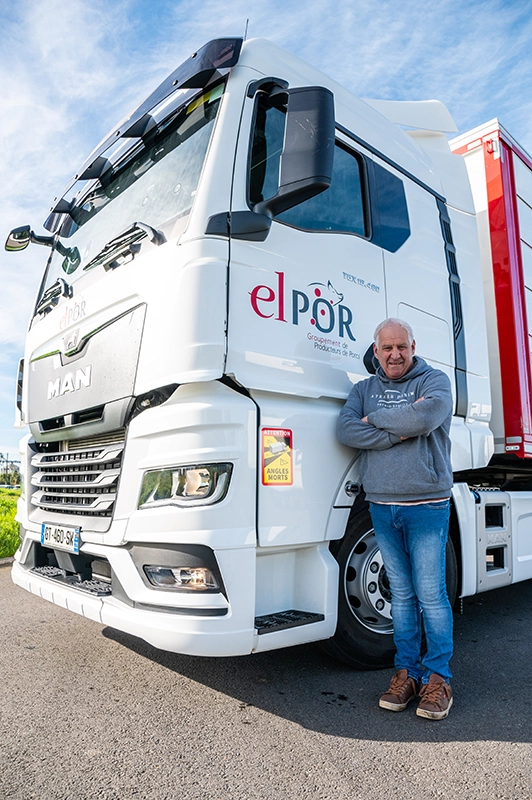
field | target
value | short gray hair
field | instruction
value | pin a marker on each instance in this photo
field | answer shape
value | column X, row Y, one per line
column 394, row 321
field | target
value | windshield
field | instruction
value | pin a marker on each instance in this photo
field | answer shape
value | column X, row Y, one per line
column 154, row 184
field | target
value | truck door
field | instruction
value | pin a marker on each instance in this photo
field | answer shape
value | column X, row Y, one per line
column 303, row 304
column 417, row 280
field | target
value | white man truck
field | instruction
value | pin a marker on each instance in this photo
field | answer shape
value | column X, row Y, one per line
column 216, row 270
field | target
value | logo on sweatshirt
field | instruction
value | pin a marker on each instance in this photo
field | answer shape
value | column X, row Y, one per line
column 391, row 398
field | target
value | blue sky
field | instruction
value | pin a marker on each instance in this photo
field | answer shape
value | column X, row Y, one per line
column 71, row 69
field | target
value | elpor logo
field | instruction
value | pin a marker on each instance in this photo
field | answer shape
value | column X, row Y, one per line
column 71, row 382
column 72, row 312
column 321, row 305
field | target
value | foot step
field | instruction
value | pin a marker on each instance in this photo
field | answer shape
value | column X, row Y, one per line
column 99, row 588
column 281, row 620
column 95, row 587
column 49, row 572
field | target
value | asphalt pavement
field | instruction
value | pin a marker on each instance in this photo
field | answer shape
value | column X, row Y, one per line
column 89, row 712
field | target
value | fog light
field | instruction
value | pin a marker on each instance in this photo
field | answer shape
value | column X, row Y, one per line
column 193, row 578
column 197, row 484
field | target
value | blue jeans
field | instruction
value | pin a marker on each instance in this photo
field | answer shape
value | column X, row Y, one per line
column 412, row 540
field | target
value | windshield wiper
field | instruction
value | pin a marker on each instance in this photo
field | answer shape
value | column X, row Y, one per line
column 124, row 247
column 51, row 296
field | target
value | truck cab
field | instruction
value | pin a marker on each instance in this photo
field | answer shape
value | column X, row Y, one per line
column 216, row 270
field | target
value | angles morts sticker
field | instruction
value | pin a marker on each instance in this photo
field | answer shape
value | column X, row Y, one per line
column 277, row 457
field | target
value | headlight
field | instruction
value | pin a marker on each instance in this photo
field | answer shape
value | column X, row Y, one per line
column 196, row 485
column 192, row 578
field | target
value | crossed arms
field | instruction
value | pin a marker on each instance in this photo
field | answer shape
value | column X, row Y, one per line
column 388, row 426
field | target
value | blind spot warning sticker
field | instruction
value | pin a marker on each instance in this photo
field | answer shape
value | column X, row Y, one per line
column 276, row 457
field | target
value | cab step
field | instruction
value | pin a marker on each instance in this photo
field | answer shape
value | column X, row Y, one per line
column 282, row 620
column 94, row 587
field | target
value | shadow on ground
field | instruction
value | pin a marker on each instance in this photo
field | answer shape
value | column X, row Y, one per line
column 493, row 653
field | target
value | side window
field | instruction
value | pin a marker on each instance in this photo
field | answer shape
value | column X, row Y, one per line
column 266, row 150
column 393, row 228
column 341, row 207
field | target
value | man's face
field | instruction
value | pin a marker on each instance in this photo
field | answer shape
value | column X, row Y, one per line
column 394, row 352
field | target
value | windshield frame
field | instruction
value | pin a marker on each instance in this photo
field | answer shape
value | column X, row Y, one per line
column 178, row 125
column 205, row 68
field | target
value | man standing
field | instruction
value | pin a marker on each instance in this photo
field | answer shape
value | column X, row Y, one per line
column 400, row 419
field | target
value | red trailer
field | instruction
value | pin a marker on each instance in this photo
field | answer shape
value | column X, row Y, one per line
column 500, row 173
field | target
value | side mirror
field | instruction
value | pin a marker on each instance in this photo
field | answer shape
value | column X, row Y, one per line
column 308, row 152
column 18, row 239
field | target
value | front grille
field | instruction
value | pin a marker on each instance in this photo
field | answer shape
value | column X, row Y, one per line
column 81, row 478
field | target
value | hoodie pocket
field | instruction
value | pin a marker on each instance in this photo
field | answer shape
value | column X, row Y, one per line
column 406, row 468
column 424, row 457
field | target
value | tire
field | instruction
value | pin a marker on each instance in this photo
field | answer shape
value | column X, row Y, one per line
column 364, row 632
column 451, row 573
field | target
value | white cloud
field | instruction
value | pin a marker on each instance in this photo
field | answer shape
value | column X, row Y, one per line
column 60, row 63
column 473, row 55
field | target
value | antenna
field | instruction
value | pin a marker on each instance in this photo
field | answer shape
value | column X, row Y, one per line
column 246, row 31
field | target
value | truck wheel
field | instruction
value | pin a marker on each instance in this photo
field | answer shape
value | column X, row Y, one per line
column 364, row 633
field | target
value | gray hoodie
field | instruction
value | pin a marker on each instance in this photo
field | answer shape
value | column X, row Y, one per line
column 392, row 469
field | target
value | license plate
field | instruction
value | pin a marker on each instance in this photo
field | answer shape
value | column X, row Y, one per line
column 61, row 537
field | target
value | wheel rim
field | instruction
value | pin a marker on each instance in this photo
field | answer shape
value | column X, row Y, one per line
column 366, row 586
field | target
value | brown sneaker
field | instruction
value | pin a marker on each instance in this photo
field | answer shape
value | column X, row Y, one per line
column 402, row 689
column 436, row 698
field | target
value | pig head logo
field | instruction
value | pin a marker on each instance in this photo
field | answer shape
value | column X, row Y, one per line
column 327, row 292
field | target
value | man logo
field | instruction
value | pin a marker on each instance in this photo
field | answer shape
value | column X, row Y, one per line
column 71, row 382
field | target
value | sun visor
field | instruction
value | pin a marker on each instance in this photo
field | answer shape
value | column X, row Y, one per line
column 430, row 115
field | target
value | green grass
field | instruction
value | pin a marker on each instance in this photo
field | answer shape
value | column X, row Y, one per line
column 9, row 540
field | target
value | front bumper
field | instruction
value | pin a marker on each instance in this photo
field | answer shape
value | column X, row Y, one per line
column 206, row 625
